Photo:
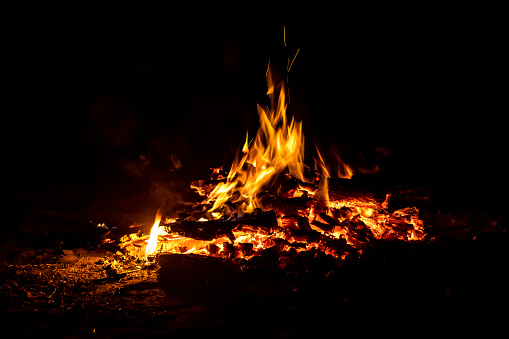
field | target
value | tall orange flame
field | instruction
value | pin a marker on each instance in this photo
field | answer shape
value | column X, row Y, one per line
column 278, row 146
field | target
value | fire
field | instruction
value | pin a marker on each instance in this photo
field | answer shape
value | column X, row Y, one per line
column 320, row 219
column 278, row 146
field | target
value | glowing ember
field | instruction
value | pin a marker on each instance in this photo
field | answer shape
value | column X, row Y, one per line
column 309, row 224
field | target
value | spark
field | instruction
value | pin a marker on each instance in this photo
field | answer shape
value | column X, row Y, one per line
column 290, row 66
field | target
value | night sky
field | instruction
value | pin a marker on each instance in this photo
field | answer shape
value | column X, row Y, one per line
column 109, row 102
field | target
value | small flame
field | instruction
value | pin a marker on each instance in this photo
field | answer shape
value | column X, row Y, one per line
column 154, row 234
column 343, row 171
column 323, row 184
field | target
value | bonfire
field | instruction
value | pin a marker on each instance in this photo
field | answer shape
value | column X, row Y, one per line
column 270, row 199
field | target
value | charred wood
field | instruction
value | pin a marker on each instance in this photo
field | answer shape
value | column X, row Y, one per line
column 330, row 220
column 303, row 224
column 358, row 229
column 208, row 230
column 325, row 227
column 285, row 205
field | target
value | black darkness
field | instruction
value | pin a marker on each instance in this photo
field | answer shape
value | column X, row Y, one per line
column 416, row 93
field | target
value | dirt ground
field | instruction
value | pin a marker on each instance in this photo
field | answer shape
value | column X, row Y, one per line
column 454, row 283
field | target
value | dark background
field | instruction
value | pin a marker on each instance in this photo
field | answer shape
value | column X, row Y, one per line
column 103, row 105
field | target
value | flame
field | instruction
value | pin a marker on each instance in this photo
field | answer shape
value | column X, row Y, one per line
column 277, row 147
column 154, row 234
column 343, row 170
column 323, row 184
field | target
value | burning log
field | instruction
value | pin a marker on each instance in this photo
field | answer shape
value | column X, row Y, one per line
column 288, row 222
column 323, row 226
column 343, row 213
column 303, row 224
column 213, row 237
column 358, row 229
column 208, row 230
column 285, row 205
